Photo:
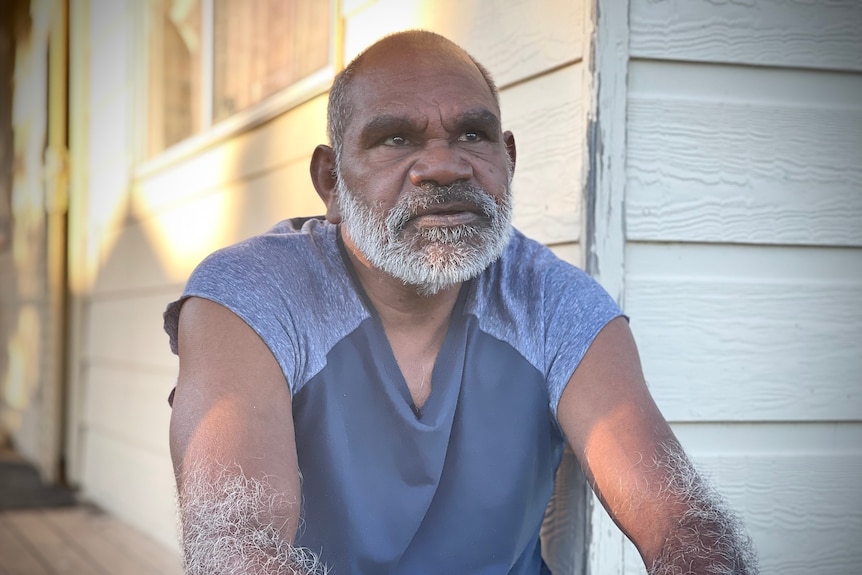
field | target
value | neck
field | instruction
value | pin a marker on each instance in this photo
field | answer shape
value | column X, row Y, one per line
column 400, row 306
column 415, row 324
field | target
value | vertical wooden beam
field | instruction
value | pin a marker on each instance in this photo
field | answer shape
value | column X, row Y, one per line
column 56, row 205
column 605, row 257
column 604, row 212
column 78, row 264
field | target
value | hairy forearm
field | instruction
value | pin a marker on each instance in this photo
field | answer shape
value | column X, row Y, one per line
column 232, row 524
column 708, row 538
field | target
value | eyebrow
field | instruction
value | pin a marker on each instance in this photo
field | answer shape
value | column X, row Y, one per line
column 388, row 124
column 481, row 118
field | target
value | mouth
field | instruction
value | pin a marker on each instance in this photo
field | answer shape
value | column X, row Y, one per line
column 444, row 219
column 446, row 215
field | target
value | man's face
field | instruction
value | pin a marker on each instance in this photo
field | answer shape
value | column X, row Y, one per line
column 423, row 181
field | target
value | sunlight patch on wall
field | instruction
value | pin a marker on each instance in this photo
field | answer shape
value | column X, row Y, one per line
column 92, row 241
column 375, row 20
column 182, row 236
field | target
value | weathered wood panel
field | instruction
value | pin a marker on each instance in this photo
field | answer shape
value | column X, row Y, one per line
column 731, row 155
column 813, row 34
column 514, row 39
column 727, row 342
column 136, row 485
column 547, row 118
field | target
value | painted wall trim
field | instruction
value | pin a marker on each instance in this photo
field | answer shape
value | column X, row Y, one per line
column 604, row 211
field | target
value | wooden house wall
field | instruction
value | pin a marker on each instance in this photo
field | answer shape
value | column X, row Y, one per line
column 743, row 258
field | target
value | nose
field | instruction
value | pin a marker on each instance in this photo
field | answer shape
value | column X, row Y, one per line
column 440, row 163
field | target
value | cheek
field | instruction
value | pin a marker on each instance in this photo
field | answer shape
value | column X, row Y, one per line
column 380, row 190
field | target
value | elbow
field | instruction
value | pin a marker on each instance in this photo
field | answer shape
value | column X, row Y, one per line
column 232, row 523
column 706, row 536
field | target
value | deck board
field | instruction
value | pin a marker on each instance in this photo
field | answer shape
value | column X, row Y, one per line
column 16, row 556
column 48, row 544
column 81, row 541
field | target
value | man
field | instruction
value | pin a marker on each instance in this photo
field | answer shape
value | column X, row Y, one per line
column 390, row 390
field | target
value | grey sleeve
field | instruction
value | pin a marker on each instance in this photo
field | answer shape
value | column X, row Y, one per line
column 576, row 308
column 239, row 279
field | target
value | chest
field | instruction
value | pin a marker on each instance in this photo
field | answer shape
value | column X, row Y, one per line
column 477, row 466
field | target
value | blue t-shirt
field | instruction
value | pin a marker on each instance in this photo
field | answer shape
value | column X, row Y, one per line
column 460, row 487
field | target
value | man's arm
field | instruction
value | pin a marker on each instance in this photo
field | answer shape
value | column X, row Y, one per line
column 233, row 450
column 638, row 469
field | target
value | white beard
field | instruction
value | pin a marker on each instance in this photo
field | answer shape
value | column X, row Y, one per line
column 433, row 258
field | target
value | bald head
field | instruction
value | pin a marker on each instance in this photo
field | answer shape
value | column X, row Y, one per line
column 421, row 47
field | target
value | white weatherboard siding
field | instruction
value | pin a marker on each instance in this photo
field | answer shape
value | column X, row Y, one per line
column 743, row 258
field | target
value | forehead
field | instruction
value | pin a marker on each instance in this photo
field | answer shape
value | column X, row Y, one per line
column 415, row 81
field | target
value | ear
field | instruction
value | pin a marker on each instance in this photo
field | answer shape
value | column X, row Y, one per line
column 322, row 170
column 509, row 140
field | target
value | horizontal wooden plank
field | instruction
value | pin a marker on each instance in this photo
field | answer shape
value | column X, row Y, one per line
column 131, row 406
column 129, row 331
column 163, row 249
column 130, row 259
column 734, row 84
column 747, row 164
column 572, row 253
column 17, row 557
column 819, row 531
column 134, row 485
column 795, row 487
column 811, row 34
column 137, row 546
column 546, row 117
column 719, row 347
column 79, row 540
column 761, row 439
column 103, row 553
column 512, row 38
column 52, row 548
column 754, row 263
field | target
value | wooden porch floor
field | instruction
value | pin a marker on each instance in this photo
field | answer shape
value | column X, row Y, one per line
column 78, row 540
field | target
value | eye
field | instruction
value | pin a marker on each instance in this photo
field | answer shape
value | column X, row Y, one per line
column 396, row 141
column 472, row 136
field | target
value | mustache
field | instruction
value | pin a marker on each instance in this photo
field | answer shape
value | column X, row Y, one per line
column 460, row 195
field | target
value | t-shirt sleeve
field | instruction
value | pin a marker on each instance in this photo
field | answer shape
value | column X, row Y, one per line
column 576, row 309
column 242, row 281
